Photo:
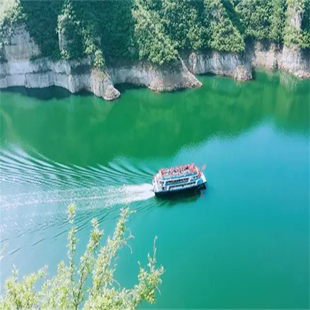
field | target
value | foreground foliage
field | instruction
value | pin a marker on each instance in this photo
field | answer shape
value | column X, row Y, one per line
column 66, row 290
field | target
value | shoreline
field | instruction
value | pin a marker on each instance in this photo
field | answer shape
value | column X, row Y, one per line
column 78, row 75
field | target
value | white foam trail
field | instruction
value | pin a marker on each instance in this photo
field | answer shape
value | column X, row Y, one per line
column 110, row 196
column 138, row 192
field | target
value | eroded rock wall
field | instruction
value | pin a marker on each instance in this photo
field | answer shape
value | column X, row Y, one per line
column 25, row 67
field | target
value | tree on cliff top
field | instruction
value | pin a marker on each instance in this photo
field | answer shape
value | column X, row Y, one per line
column 155, row 31
column 64, row 292
column 153, row 43
column 225, row 36
column 183, row 21
column 304, row 39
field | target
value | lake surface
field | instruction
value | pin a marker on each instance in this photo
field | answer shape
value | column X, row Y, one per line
column 242, row 243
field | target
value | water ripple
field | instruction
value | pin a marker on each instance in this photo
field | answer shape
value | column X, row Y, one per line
column 29, row 208
column 18, row 167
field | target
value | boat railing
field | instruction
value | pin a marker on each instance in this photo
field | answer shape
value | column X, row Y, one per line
column 166, row 177
column 179, row 171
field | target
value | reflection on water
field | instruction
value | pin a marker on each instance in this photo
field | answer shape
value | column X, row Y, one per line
column 184, row 197
column 57, row 148
column 85, row 130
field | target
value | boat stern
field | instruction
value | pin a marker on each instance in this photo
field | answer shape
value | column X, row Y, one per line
column 155, row 183
column 203, row 179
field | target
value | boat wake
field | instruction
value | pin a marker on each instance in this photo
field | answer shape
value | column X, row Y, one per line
column 94, row 197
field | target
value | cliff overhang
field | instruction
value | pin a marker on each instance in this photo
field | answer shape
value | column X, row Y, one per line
column 25, row 67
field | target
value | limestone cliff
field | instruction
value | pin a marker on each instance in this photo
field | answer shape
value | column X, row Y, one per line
column 290, row 59
column 227, row 64
column 75, row 75
column 25, row 67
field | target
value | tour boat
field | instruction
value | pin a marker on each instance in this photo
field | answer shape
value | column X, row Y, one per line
column 176, row 179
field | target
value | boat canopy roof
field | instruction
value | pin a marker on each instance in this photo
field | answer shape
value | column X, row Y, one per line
column 179, row 171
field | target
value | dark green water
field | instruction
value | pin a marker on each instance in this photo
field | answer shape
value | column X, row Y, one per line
column 243, row 243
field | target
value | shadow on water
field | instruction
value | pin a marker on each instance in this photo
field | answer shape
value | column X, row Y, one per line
column 126, row 87
column 208, row 74
column 123, row 87
column 85, row 93
column 181, row 197
column 47, row 93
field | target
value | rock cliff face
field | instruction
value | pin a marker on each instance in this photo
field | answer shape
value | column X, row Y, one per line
column 293, row 60
column 76, row 75
column 227, row 64
column 157, row 79
column 72, row 75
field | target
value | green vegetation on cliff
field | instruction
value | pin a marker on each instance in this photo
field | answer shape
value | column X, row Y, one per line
column 263, row 20
column 304, row 35
column 10, row 15
column 225, row 36
column 154, row 30
column 153, row 42
column 297, row 27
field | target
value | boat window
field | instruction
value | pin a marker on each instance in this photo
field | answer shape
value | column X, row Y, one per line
column 174, row 186
column 177, row 181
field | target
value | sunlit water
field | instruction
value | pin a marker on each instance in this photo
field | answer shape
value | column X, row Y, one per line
column 242, row 243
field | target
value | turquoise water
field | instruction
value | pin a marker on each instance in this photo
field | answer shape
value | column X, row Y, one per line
column 242, row 243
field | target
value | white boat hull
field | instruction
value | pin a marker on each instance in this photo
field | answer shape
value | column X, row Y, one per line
column 160, row 190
